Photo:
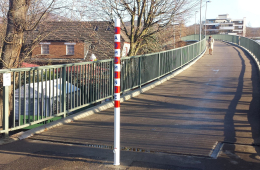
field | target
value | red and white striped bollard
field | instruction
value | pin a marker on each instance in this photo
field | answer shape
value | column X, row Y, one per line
column 117, row 70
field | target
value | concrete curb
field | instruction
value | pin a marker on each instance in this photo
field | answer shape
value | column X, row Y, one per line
column 105, row 105
column 249, row 52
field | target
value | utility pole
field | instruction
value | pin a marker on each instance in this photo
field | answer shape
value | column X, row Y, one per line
column 195, row 22
column 206, row 18
column 200, row 18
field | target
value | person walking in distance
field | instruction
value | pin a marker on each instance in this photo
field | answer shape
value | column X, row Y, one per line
column 210, row 45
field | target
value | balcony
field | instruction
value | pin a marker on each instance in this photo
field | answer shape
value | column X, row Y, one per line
column 226, row 23
column 216, row 30
column 226, row 28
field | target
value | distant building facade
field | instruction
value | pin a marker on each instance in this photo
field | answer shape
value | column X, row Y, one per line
column 73, row 41
column 225, row 25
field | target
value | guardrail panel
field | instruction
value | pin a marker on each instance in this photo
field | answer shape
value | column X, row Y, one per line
column 43, row 93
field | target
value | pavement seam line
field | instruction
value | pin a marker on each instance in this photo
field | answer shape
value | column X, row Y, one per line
column 123, row 148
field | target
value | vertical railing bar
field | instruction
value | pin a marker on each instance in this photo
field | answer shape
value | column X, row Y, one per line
column 45, row 104
column 181, row 57
column 61, row 69
column 77, row 87
column 159, row 59
column 14, row 97
column 72, row 67
column 57, row 90
column 74, row 85
column 29, row 96
column 140, row 82
column 42, row 94
column 24, row 97
column 20, row 102
column 89, row 81
column 50, row 89
column 96, row 82
column 53, row 95
column 64, row 89
column 86, row 83
column 67, row 87
column 80, row 79
column 105, row 79
column 111, row 78
column 125, row 75
column 83, row 85
column 93, row 82
column 97, row 85
column 38, row 102
column 6, row 110
column 33, row 95
column 188, row 54
column 99, row 79
column 108, row 78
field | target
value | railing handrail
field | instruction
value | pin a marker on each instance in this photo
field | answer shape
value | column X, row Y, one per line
column 93, row 79
column 82, row 63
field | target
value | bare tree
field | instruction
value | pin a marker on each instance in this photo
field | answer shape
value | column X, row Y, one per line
column 142, row 19
column 20, row 21
column 18, row 17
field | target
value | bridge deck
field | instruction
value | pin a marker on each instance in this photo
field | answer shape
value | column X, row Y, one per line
column 215, row 100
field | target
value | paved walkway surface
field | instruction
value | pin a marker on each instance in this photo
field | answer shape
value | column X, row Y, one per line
column 207, row 117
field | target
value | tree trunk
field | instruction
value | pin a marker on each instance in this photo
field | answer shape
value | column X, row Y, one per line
column 16, row 24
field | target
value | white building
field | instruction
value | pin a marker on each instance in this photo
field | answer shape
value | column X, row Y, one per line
column 225, row 25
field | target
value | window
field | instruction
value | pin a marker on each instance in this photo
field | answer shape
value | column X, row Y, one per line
column 240, row 26
column 70, row 48
column 92, row 47
column 240, row 22
column 45, row 48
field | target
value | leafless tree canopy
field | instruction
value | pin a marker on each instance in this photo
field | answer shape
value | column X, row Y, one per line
column 141, row 19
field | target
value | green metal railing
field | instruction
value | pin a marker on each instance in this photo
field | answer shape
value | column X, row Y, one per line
column 249, row 44
column 192, row 37
column 46, row 92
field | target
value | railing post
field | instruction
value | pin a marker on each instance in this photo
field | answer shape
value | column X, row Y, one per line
column 112, row 78
column 188, row 53
column 140, row 81
column 6, row 110
column 64, row 90
column 181, row 56
column 159, row 71
column 193, row 49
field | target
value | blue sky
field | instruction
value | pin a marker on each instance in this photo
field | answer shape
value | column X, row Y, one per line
column 237, row 9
